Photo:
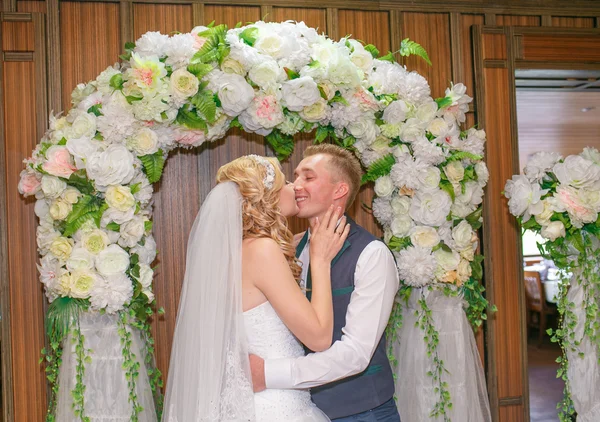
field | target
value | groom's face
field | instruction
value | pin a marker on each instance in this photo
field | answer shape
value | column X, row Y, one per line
column 314, row 186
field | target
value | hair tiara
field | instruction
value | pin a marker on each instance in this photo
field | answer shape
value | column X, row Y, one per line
column 269, row 178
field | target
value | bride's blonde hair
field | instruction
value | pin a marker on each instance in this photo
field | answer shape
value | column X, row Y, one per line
column 261, row 215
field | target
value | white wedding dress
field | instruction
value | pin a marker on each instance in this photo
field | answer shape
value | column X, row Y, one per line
column 269, row 338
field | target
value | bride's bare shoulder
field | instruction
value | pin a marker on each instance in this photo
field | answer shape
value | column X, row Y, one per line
column 261, row 246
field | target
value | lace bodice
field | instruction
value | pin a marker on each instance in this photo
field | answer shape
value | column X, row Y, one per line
column 269, row 338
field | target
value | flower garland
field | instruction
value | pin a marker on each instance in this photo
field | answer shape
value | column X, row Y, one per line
column 92, row 172
column 560, row 199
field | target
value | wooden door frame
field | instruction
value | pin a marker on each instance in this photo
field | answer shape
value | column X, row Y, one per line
column 498, row 52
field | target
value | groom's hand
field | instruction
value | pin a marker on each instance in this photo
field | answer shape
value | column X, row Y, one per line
column 257, row 367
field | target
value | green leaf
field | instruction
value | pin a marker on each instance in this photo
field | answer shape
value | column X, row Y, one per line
column 215, row 47
column 148, row 226
column 389, row 57
column 373, row 50
column 95, row 109
column 411, row 48
column 463, row 155
column 132, row 98
column 381, row 167
column 291, row 74
column 249, row 35
column 113, row 226
column 61, row 313
column 283, row 145
column 443, row 102
column 338, row 99
column 153, row 165
column 474, row 218
column 321, row 135
column 135, row 188
column 63, row 141
column 205, row 104
column 116, row 81
column 397, row 243
column 446, row 186
column 200, row 70
column 88, row 207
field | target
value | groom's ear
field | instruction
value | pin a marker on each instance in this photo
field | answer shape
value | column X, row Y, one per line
column 341, row 190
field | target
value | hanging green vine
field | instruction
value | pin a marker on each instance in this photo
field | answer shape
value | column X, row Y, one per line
column 130, row 364
column 82, row 357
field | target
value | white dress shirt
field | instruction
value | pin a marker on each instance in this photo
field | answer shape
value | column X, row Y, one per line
column 375, row 285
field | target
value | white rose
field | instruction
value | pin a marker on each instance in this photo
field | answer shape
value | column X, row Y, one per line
column 553, row 230
column 71, row 195
column 45, row 235
column 401, row 225
column 316, row 112
column 114, row 166
column 341, row 71
column 184, row 84
column 61, row 248
column 83, row 125
column 401, row 204
column 271, row 44
column 299, row 93
column 82, row 283
column 543, row 218
column 112, row 261
column 455, row 171
column 81, row 149
column 448, row 261
column 95, row 241
column 364, row 129
column 591, row 154
column 131, row 232
column 234, row 93
column 395, row 112
column 266, row 74
column 430, row 179
column 80, row 259
column 230, row 65
column 146, row 274
column 384, row 186
column 60, row 209
column 578, row 172
column 426, row 111
column 114, row 215
column 462, row 235
column 469, row 253
column 524, row 198
column 424, row 236
column 430, row 207
column 52, row 186
column 41, row 208
column 540, row 163
column 120, row 198
column 144, row 142
column 438, row 127
column 411, row 130
column 362, row 59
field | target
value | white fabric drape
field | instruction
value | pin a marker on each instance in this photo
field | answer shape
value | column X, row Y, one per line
column 209, row 373
column 583, row 372
column 457, row 348
column 106, row 394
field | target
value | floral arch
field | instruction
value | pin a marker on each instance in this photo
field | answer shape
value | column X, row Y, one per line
column 92, row 172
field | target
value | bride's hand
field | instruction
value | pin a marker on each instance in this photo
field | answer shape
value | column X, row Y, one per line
column 327, row 237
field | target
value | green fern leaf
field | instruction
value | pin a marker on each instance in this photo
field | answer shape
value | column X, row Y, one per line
column 85, row 205
column 381, row 167
column 204, row 102
column 81, row 182
column 200, row 70
column 411, row 48
column 190, row 119
column 153, row 165
column 373, row 50
column 62, row 312
column 448, row 188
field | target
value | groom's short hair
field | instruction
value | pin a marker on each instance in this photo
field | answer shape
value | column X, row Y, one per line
column 343, row 164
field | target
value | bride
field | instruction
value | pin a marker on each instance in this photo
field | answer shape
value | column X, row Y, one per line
column 241, row 295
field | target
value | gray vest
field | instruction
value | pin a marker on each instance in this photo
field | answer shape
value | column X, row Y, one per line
column 375, row 385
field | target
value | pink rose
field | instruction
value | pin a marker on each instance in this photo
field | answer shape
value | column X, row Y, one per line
column 29, row 183
column 189, row 137
column 59, row 162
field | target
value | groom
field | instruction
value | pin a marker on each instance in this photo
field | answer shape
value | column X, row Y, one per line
column 352, row 380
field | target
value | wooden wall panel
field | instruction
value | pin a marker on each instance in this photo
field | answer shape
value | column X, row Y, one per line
column 367, row 26
column 315, row 18
column 514, row 413
column 165, row 18
column 466, row 22
column 431, row 30
column 26, row 294
column 571, row 22
column 31, row 6
column 17, row 36
column 231, row 15
column 516, row 20
column 89, row 43
column 548, row 48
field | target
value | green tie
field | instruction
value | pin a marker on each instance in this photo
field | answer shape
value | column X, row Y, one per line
column 299, row 250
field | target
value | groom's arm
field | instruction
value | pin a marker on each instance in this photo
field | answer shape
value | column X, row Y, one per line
column 376, row 283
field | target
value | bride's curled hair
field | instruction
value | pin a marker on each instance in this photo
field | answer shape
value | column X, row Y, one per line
column 261, row 215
